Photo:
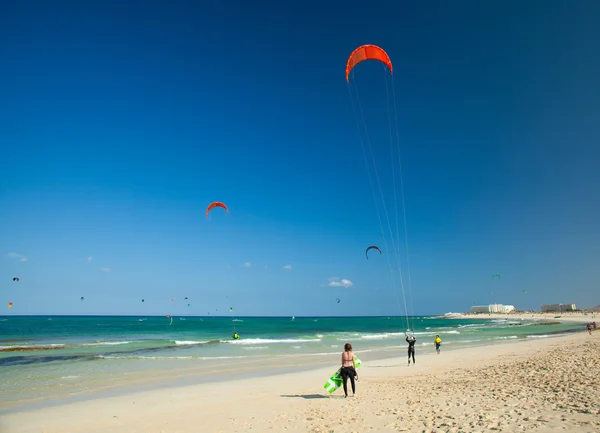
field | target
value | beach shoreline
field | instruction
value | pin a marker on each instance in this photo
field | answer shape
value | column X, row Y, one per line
column 563, row 317
column 285, row 402
column 178, row 374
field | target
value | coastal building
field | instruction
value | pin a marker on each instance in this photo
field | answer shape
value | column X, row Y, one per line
column 492, row 308
column 558, row 308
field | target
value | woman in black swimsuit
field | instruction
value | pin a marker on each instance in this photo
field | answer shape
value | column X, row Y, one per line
column 348, row 368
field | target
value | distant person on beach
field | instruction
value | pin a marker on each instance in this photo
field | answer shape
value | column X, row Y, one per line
column 438, row 343
column 348, row 369
column 589, row 328
column 411, row 347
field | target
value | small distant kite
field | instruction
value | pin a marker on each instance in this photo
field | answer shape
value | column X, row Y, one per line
column 214, row 205
column 230, row 309
column 495, row 275
column 372, row 247
column 82, row 298
column 16, row 279
column 185, row 299
column 525, row 291
column 170, row 318
column 172, row 300
column 338, row 300
column 189, row 305
column 10, row 305
column 143, row 300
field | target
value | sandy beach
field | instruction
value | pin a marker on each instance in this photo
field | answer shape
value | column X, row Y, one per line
column 543, row 385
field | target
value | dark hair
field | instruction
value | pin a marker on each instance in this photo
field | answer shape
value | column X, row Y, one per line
column 347, row 347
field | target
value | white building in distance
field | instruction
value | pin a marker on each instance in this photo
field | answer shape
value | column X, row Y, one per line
column 492, row 308
column 558, row 308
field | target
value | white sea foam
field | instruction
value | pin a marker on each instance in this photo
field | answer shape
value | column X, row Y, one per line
column 189, row 342
column 270, row 341
column 106, row 343
column 31, row 346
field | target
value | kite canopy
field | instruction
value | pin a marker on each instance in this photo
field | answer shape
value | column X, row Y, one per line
column 495, row 275
column 215, row 204
column 367, row 52
column 372, row 247
column 16, row 279
column 10, row 304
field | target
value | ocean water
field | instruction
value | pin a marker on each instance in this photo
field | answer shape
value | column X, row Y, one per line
column 51, row 357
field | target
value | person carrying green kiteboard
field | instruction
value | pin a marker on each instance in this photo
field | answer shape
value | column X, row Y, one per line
column 348, row 369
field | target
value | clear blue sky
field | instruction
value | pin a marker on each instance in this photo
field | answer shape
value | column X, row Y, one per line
column 121, row 121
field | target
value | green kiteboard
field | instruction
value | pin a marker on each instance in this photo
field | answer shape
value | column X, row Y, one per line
column 336, row 381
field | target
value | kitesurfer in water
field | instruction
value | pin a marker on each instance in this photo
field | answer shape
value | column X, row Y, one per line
column 348, row 369
column 236, row 336
column 411, row 347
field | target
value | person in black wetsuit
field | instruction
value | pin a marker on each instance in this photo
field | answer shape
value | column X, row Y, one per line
column 348, row 369
column 411, row 348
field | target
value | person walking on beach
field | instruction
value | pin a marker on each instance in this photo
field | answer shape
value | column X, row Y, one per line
column 438, row 343
column 589, row 328
column 411, row 347
column 348, row 369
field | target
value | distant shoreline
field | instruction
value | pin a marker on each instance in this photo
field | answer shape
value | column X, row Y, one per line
column 564, row 317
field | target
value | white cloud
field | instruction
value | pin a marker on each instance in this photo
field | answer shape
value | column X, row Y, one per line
column 333, row 282
column 18, row 256
column 288, row 267
column 247, row 264
column 106, row 269
column 89, row 259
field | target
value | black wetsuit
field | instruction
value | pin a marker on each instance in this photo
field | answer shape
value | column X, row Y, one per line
column 348, row 372
column 411, row 348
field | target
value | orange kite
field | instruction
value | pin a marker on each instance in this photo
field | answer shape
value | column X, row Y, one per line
column 367, row 52
column 215, row 204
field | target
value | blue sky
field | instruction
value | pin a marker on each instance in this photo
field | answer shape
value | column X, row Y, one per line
column 121, row 121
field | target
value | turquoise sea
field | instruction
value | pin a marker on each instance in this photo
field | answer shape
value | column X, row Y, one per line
column 49, row 358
